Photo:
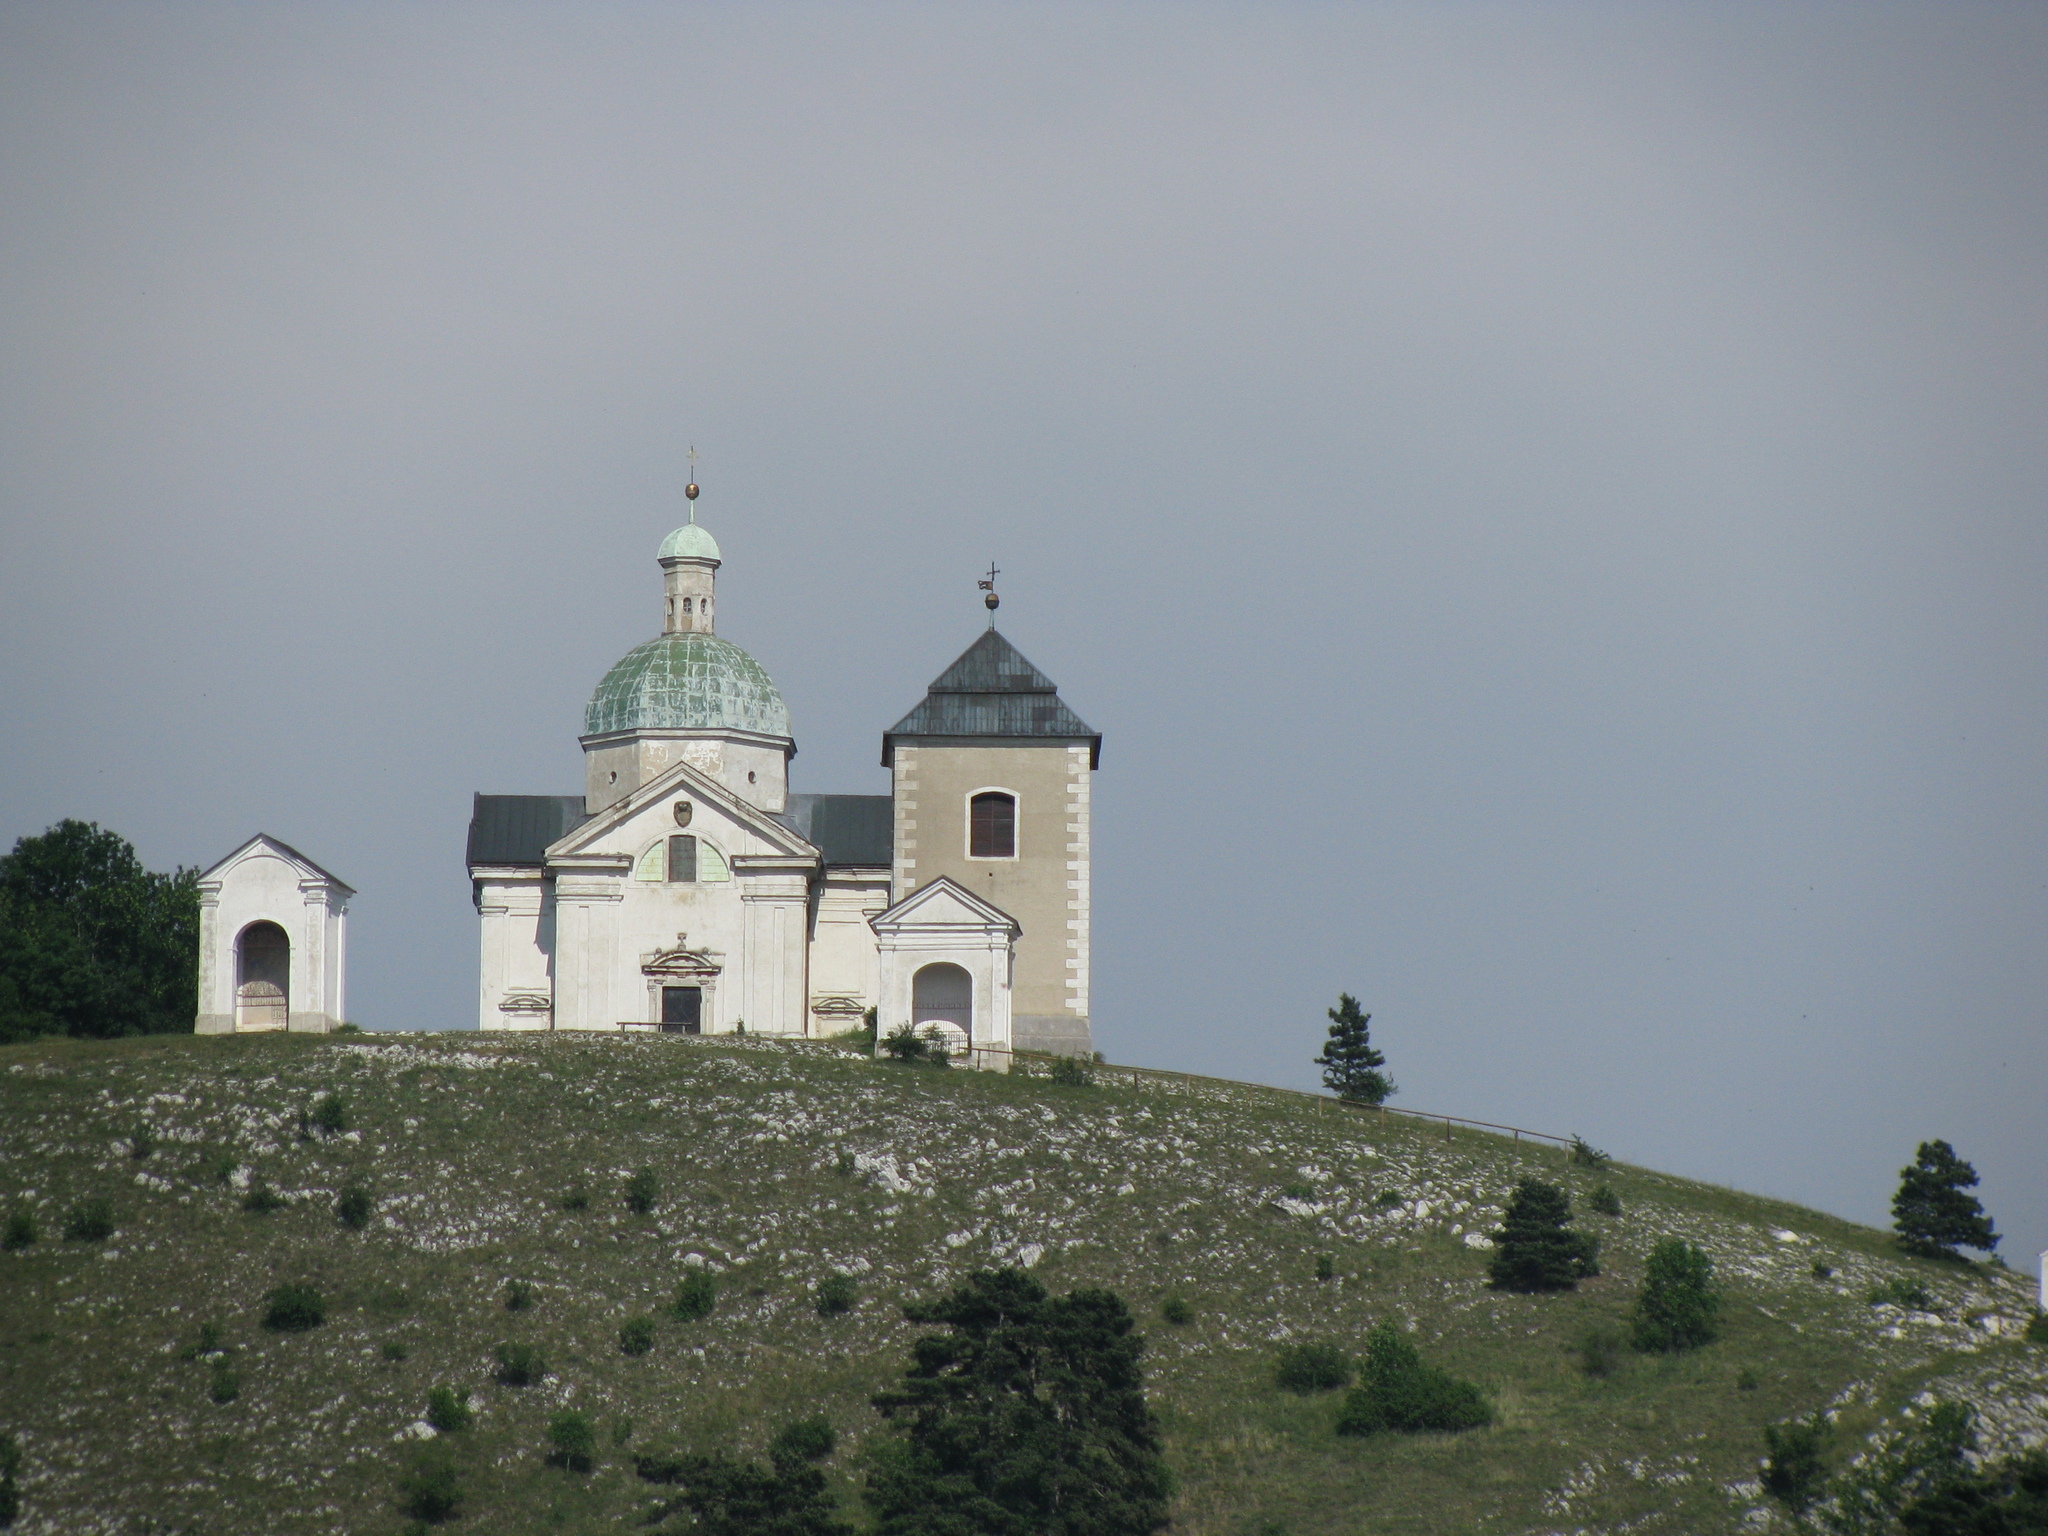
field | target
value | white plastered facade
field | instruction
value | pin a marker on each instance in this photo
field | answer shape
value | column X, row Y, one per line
column 267, row 882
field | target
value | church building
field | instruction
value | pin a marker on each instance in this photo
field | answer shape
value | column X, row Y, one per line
column 688, row 890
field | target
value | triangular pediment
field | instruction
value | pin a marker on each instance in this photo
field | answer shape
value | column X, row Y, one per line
column 264, row 846
column 942, row 904
column 654, row 799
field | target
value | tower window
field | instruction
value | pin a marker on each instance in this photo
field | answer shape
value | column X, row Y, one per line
column 992, row 826
column 686, row 605
column 682, row 858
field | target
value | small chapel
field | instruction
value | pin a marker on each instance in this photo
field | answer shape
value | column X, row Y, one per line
column 688, row 890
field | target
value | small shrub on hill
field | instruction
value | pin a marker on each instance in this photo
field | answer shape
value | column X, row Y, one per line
column 330, row 1115
column 431, row 1488
column 1534, row 1249
column 573, row 1439
column 262, row 1199
column 1177, row 1311
column 293, row 1309
column 352, row 1207
column 21, row 1231
column 225, row 1386
column 1398, row 1391
column 1387, row 1199
column 577, row 1199
column 905, row 1044
column 1586, row 1155
column 643, row 1191
column 1600, row 1350
column 1901, row 1291
column 1605, row 1201
column 837, row 1293
column 448, row 1410
column 1311, row 1368
column 395, row 1349
column 141, row 1142
column 805, row 1440
column 2037, row 1328
column 1793, row 1470
column 1747, row 1380
column 90, row 1221
column 1326, row 1267
column 1297, row 1191
column 729, row 1497
column 1931, row 1213
column 846, row 1165
column 518, row 1295
column 208, row 1343
column 10, row 1478
column 636, row 1336
column 696, row 1296
column 1823, row 1271
column 1070, row 1072
column 1677, row 1308
column 520, row 1365
column 1876, row 1493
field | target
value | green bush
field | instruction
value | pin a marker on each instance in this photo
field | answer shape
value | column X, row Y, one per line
column 837, row 1293
column 294, row 1309
column 1747, row 1380
column 1397, row 1391
column 636, row 1336
column 573, row 1439
column 330, row 1115
column 1600, row 1350
column 846, row 1164
column 1177, row 1311
column 262, row 1199
column 577, row 1199
column 1902, row 1291
column 225, row 1386
column 431, row 1489
column 1677, row 1308
column 1311, row 1368
column 2037, row 1328
column 395, row 1349
column 10, row 1475
column 1586, row 1155
column 1605, row 1201
column 518, row 1295
column 696, row 1296
column 353, row 1207
column 520, row 1365
column 1534, row 1249
column 905, row 1044
column 806, row 1440
column 448, row 1410
column 1793, row 1470
column 1387, row 1199
column 1326, row 1267
column 1070, row 1072
column 208, row 1343
column 1823, row 1271
column 90, row 1221
column 21, row 1230
column 643, row 1191
column 141, row 1141
column 1297, row 1191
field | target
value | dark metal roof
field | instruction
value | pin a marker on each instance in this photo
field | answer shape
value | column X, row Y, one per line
column 516, row 829
column 847, row 829
column 992, row 691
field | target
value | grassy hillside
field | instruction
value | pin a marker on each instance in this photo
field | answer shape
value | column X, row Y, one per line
column 1225, row 1197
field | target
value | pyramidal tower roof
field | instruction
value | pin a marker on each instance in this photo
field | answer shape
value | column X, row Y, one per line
column 992, row 693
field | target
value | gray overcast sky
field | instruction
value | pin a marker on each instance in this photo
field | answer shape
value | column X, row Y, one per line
column 1545, row 503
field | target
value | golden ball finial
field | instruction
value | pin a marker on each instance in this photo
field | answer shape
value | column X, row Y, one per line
column 690, row 490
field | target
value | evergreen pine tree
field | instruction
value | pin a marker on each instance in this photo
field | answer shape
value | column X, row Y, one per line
column 1351, row 1067
column 1027, row 1414
column 1535, row 1248
column 1931, row 1213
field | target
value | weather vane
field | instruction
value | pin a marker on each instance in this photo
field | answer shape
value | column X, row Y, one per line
column 690, row 490
column 991, row 601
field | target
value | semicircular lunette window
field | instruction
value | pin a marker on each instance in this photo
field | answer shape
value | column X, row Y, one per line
column 992, row 825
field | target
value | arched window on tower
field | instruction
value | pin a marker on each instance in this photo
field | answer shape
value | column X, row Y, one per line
column 992, row 825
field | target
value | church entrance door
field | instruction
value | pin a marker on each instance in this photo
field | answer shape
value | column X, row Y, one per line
column 682, row 1010
column 263, row 965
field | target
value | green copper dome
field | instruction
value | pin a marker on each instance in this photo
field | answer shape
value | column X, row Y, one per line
column 683, row 682
column 689, row 542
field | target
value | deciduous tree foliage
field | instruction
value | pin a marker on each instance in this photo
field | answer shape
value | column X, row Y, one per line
column 1535, row 1248
column 1351, row 1067
column 1678, row 1308
column 1931, row 1213
column 91, row 943
column 1027, row 1415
